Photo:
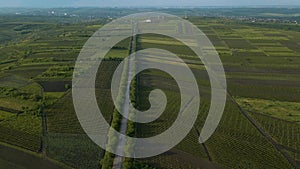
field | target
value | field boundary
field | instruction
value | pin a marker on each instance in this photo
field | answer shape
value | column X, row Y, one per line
column 264, row 134
column 34, row 154
column 204, row 146
column 14, row 111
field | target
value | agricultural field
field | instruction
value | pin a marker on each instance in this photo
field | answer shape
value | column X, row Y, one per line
column 260, row 127
column 288, row 111
column 234, row 129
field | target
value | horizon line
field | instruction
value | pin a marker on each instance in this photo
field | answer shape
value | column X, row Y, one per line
column 204, row 6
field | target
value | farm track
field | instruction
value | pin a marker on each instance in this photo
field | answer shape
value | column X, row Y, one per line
column 198, row 134
column 44, row 137
column 11, row 110
column 43, row 148
column 289, row 148
column 44, row 129
column 265, row 135
column 203, row 145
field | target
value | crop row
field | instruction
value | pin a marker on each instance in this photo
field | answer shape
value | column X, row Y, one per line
column 236, row 138
column 284, row 132
column 263, row 91
column 238, row 144
column 75, row 150
column 20, row 138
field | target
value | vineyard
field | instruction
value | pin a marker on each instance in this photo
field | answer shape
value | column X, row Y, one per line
column 64, row 127
column 284, row 132
column 236, row 138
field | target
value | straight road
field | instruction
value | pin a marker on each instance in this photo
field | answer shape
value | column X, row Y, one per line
column 117, row 164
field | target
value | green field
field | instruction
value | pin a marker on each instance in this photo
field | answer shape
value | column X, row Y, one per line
column 282, row 110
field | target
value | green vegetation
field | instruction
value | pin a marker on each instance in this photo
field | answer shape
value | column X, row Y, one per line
column 4, row 115
column 58, row 72
column 289, row 111
column 21, row 130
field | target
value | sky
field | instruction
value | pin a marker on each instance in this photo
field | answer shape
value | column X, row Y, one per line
column 144, row 3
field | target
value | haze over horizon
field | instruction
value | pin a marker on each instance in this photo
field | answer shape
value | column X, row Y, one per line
column 139, row 3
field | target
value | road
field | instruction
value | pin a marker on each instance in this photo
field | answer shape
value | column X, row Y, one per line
column 117, row 164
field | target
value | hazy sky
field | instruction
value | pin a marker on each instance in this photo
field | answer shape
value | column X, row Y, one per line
column 145, row 3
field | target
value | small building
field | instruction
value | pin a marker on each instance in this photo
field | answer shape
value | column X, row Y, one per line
column 148, row 21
